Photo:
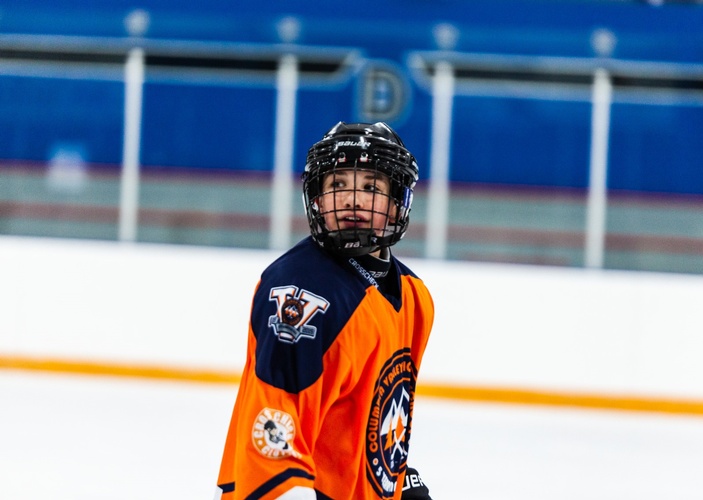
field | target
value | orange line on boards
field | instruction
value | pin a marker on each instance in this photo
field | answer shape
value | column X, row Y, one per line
column 445, row 391
column 572, row 399
column 133, row 370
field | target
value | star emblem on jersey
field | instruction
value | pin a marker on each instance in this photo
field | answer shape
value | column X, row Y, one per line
column 388, row 428
column 294, row 309
column 273, row 433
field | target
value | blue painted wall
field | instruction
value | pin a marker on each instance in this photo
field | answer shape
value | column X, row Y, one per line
column 506, row 139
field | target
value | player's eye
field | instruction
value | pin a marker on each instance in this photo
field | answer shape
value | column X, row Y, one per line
column 334, row 184
column 377, row 186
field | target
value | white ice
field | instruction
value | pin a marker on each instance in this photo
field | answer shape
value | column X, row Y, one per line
column 78, row 437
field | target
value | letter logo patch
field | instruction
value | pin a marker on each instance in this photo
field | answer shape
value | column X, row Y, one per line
column 273, row 433
column 388, row 427
column 295, row 308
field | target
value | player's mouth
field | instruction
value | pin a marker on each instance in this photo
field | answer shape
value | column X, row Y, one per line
column 352, row 222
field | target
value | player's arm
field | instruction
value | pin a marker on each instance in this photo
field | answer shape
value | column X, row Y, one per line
column 268, row 449
column 279, row 406
column 285, row 391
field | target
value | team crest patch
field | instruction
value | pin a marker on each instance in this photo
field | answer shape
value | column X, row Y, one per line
column 294, row 309
column 388, row 427
column 273, row 433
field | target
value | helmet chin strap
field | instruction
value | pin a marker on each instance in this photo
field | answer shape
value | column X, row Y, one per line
column 352, row 242
column 385, row 253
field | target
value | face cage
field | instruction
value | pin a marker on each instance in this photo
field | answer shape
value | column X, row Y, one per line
column 351, row 240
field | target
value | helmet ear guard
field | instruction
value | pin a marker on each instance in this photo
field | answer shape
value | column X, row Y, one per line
column 360, row 146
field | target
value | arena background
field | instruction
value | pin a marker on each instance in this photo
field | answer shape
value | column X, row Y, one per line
column 560, row 133
column 149, row 160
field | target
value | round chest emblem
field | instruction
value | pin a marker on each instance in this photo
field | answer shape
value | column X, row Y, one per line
column 389, row 424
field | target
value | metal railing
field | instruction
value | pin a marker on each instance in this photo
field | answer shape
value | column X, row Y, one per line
column 444, row 74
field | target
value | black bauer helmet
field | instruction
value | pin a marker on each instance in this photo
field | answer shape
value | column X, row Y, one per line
column 363, row 147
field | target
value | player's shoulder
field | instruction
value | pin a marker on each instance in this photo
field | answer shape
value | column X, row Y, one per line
column 309, row 267
column 414, row 282
column 305, row 255
column 308, row 275
column 304, row 300
column 404, row 270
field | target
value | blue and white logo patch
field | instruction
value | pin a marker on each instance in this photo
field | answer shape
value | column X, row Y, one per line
column 295, row 308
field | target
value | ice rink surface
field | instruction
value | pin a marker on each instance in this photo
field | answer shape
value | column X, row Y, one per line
column 69, row 437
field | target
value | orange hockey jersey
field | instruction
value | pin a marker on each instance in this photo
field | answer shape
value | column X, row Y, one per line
column 326, row 397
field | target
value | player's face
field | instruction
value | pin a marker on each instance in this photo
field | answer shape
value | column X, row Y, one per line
column 356, row 199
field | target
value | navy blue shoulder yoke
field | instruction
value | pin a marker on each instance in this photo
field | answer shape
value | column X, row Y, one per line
column 303, row 301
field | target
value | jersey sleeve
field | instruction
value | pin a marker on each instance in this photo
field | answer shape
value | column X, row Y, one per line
column 283, row 397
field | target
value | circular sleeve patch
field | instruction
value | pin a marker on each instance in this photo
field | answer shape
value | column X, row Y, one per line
column 273, row 433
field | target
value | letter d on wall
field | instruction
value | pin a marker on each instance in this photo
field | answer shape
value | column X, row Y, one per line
column 383, row 93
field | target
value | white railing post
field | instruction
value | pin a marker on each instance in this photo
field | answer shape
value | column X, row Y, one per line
column 597, row 186
column 129, row 185
column 438, row 194
column 282, row 185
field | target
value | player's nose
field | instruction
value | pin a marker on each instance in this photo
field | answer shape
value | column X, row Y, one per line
column 351, row 198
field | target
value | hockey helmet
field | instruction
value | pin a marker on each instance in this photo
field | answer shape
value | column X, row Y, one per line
column 360, row 146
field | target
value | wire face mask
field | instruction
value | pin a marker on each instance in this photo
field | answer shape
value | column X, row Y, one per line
column 356, row 206
column 358, row 188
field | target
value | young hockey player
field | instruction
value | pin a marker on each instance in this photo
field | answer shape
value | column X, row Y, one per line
column 337, row 331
